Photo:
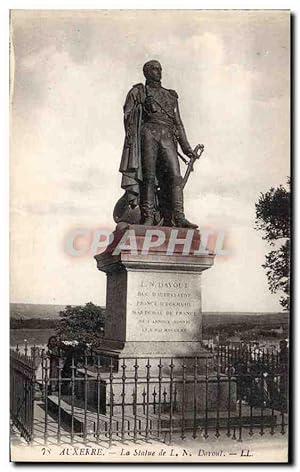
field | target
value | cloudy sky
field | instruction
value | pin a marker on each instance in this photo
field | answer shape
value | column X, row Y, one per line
column 71, row 71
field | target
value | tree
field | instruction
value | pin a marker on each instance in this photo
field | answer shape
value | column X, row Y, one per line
column 274, row 219
column 84, row 324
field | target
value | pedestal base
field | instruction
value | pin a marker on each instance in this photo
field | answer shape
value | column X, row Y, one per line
column 129, row 353
column 153, row 349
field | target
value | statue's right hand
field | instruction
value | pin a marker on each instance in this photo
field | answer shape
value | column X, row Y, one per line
column 149, row 102
column 149, row 99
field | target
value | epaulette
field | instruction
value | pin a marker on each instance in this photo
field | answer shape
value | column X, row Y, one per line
column 172, row 92
column 137, row 85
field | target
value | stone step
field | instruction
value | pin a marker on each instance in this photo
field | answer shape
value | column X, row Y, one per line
column 78, row 415
column 140, row 422
column 92, row 419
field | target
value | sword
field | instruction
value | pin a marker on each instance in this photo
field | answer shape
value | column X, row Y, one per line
column 190, row 165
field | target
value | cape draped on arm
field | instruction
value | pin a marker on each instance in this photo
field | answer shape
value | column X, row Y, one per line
column 131, row 166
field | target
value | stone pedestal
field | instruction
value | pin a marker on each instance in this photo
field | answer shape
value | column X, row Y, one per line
column 153, row 299
column 153, row 334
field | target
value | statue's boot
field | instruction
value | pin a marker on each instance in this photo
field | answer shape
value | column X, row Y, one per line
column 167, row 216
column 168, row 222
column 147, row 202
column 166, row 206
column 179, row 217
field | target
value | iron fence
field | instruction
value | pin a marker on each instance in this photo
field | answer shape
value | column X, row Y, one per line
column 247, row 354
column 22, row 384
column 250, row 362
column 73, row 396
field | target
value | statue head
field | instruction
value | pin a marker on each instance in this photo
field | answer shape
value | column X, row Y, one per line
column 152, row 70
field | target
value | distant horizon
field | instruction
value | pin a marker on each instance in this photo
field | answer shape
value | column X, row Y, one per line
column 104, row 306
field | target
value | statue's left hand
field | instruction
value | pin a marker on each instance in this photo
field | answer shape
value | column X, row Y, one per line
column 191, row 154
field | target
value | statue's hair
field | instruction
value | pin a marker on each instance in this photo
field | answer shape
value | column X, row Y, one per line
column 147, row 66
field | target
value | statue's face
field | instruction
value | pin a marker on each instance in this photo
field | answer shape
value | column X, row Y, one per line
column 154, row 71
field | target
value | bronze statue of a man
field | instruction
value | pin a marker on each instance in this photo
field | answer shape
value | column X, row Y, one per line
column 150, row 167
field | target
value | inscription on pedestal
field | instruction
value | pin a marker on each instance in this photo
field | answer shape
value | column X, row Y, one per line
column 163, row 307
